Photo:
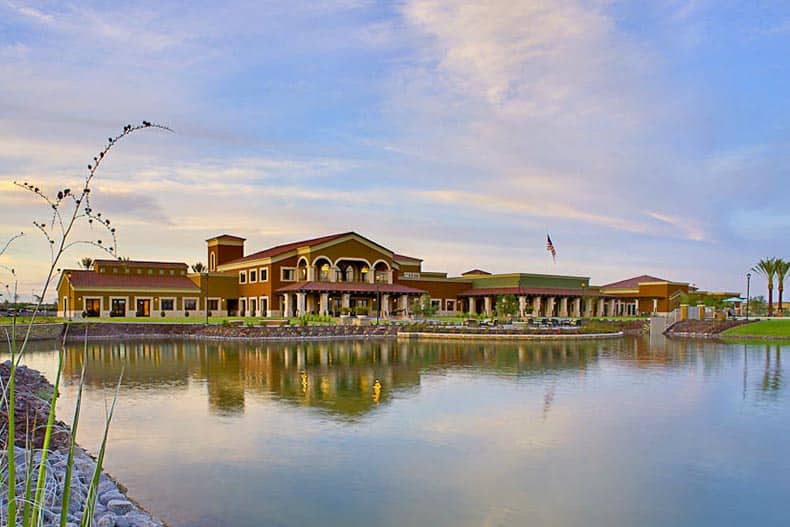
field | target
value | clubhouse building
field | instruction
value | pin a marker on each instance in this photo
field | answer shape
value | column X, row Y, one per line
column 335, row 274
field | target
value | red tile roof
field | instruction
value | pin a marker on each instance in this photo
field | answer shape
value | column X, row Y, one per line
column 349, row 287
column 632, row 283
column 91, row 279
column 140, row 263
column 476, row 271
column 281, row 249
column 545, row 291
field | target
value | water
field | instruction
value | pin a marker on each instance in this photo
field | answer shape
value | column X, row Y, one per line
column 617, row 432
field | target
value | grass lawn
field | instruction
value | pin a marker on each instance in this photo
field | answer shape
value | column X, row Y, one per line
column 763, row 328
column 20, row 321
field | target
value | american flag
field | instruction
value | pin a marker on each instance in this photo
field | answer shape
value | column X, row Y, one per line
column 550, row 248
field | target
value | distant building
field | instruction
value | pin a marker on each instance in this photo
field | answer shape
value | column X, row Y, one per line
column 334, row 274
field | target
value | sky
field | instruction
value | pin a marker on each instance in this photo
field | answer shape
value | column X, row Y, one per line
column 645, row 137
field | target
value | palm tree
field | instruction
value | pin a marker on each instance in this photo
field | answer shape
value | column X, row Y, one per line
column 782, row 270
column 767, row 268
column 86, row 262
column 198, row 267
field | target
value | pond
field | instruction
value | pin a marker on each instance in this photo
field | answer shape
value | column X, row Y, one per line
column 617, row 432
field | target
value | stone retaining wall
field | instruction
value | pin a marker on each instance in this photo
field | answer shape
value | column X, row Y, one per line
column 38, row 331
column 218, row 332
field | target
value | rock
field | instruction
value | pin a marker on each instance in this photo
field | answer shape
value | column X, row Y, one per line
column 105, row 498
column 119, row 507
column 108, row 520
column 105, row 485
column 122, row 521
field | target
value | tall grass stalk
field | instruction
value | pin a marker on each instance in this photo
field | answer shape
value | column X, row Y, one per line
column 38, row 500
column 64, row 510
column 57, row 233
column 93, row 489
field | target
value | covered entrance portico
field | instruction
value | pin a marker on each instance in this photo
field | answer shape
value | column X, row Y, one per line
column 334, row 298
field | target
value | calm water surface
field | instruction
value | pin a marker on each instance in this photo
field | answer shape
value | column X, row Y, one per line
column 610, row 433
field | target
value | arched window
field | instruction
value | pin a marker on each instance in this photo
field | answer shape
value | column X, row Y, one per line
column 349, row 274
column 325, row 272
column 212, row 262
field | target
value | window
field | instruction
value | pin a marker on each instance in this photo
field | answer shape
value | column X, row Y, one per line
column 172, row 272
column 288, row 274
column 161, row 271
column 264, row 274
column 325, row 272
column 253, row 276
column 118, row 307
column 190, row 304
column 411, row 276
column 212, row 262
column 242, row 277
column 166, row 304
column 436, row 304
column 450, row 305
column 213, row 304
column 264, row 303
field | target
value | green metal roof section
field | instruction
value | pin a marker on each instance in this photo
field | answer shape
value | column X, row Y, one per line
column 530, row 280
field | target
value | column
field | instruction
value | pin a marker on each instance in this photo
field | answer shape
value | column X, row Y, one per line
column 385, row 306
column 300, row 304
column 403, row 306
column 472, row 305
column 655, row 305
column 636, row 307
column 600, row 312
column 550, row 307
column 522, row 306
column 536, row 306
column 333, row 274
column 371, row 276
column 577, row 307
column 612, row 307
column 589, row 307
column 311, row 303
column 564, row 306
column 311, row 273
column 346, row 300
column 287, row 305
column 324, row 309
column 487, row 304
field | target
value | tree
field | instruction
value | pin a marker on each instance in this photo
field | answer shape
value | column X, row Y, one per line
column 782, row 270
column 757, row 305
column 86, row 262
column 423, row 306
column 767, row 268
column 198, row 267
column 506, row 305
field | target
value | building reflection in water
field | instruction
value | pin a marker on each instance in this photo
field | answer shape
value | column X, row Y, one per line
column 345, row 380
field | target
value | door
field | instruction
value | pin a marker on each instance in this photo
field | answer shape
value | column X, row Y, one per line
column 143, row 307
column 92, row 307
column 118, row 307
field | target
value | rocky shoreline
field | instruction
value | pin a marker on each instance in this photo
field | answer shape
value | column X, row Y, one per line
column 113, row 507
column 77, row 331
column 701, row 329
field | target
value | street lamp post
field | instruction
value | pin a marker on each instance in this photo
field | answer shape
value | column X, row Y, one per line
column 748, row 283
